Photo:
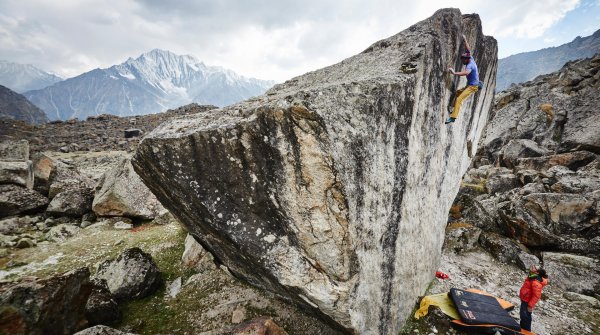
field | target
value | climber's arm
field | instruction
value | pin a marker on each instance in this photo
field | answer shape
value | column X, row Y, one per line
column 466, row 43
column 461, row 73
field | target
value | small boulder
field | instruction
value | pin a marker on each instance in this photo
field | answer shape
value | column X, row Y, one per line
column 519, row 148
column 102, row 330
column 18, row 224
column 45, row 306
column 259, row 326
column 101, row 307
column 132, row 275
column 195, row 256
column 20, row 200
column 461, row 238
column 502, row 183
column 18, row 173
column 62, row 232
column 14, row 150
column 133, row 132
column 122, row 193
column 502, row 248
column 72, row 202
column 173, row 288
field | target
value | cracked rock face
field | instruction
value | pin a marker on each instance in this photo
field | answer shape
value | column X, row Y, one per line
column 332, row 189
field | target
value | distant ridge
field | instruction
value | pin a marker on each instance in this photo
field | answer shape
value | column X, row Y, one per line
column 526, row 66
column 152, row 83
column 24, row 77
column 15, row 106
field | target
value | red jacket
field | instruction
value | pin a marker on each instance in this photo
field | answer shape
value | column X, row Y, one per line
column 531, row 291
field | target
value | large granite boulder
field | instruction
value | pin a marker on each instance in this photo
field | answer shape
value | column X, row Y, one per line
column 132, row 275
column 75, row 202
column 122, row 193
column 332, row 189
column 46, row 306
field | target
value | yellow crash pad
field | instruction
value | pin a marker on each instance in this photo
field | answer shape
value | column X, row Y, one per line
column 442, row 301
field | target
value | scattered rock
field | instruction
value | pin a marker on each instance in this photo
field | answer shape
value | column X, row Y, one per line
column 18, row 224
column 259, row 326
column 238, row 315
column 16, row 200
column 461, row 238
column 73, row 202
column 132, row 275
column 45, row 306
column 133, row 132
column 502, row 248
column 102, row 330
column 14, row 151
column 122, row 193
column 62, row 232
column 582, row 299
column 25, row 243
column 122, row 225
column 18, row 173
column 195, row 256
column 519, row 148
column 101, row 307
column 173, row 288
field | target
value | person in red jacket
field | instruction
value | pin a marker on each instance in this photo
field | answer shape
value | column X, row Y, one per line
column 530, row 294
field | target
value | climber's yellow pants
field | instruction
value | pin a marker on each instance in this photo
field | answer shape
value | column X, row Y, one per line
column 462, row 94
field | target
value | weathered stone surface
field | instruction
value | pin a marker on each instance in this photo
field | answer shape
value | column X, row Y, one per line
column 48, row 306
column 572, row 160
column 132, row 275
column 574, row 273
column 101, row 307
column 259, row 326
column 461, row 239
column 332, row 189
column 16, row 151
column 65, row 177
column 552, row 111
column 62, row 232
column 502, row 183
column 75, row 202
column 133, row 132
column 102, row 330
column 18, row 173
column 503, row 249
column 20, row 200
column 195, row 256
column 122, row 193
column 519, row 148
column 18, row 224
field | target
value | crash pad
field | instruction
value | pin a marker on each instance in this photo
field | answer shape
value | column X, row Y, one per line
column 443, row 301
column 479, row 309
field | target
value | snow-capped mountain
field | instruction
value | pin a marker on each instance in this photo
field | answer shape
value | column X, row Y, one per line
column 24, row 77
column 155, row 81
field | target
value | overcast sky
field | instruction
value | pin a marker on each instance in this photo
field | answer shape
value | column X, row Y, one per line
column 266, row 39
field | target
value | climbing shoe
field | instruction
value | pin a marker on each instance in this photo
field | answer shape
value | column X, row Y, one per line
column 450, row 120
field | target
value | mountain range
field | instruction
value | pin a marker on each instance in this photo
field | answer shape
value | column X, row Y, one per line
column 24, row 77
column 526, row 66
column 15, row 106
column 152, row 83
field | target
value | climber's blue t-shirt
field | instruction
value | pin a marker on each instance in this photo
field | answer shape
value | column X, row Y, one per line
column 473, row 76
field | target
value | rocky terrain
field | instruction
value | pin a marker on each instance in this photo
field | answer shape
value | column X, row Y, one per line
column 526, row 66
column 532, row 198
column 85, row 245
column 97, row 133
column 15, row 106
column 85, row 242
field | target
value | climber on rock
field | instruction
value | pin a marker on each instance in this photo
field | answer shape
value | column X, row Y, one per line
column 472, row 80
